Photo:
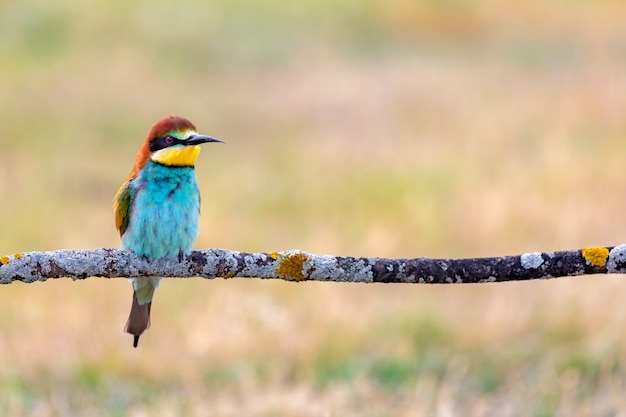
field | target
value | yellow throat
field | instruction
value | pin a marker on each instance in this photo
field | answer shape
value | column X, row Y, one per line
column 178, row 156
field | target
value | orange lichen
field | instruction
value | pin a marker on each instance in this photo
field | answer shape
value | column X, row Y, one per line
column 291, row 265
column 6, row 259
column 596, row 256
column 273, row 255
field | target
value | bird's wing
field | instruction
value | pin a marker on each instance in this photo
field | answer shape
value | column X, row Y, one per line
column 122, row 204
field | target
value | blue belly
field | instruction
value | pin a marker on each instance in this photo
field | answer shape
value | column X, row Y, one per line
column 164, row 213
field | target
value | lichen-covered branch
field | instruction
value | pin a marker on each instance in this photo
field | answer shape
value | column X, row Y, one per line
column 301, row 266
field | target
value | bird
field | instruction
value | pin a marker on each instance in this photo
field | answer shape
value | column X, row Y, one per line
column 158, row 206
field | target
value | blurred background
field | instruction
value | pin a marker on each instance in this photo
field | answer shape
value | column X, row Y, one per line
column 394, row 129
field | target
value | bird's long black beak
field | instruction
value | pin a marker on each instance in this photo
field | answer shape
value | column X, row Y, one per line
column 198, row 139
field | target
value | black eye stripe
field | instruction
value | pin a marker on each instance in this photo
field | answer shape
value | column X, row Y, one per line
column 161, row 142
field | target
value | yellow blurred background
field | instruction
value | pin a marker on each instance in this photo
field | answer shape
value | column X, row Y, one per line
column 368, row 128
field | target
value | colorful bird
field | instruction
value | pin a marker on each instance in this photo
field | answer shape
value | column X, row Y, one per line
column 157, row 207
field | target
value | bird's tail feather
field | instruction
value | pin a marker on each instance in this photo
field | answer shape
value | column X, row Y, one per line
column 139, row 319
column 144, row 288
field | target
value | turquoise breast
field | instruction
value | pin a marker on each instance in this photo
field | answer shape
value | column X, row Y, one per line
column 164, row 213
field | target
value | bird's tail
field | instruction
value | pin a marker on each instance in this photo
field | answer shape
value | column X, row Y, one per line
column 139, row 318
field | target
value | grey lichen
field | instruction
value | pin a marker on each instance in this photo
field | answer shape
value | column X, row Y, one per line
column 326, row 268
column 532, row 260
column 359, row 271
column 617, row 260
column 258, row 265
column 77, row 264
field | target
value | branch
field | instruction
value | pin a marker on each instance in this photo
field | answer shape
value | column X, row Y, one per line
column 295, row 265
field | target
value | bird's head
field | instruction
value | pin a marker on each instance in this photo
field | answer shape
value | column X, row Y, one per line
column 172, row 141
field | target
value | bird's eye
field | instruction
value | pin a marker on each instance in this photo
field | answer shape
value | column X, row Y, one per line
column 169, row 140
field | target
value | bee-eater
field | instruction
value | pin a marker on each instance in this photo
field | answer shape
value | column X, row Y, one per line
column 157, row 207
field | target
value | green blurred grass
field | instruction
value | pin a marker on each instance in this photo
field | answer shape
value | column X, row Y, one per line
column 357, row 128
